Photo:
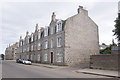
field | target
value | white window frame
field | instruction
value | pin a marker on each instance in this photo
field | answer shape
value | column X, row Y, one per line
column 39, row 45
column 31, row 47
column 24, row 49
column 46, row 32
column 31, row 37
column 34, row 47
column 59, row 26
column 31, row 57
column 46, row 57
column 59, row 57
column 28, row 40
column 27, row 56
column 39, row 35
column 46, row 44
column 52, row 31
column 51, row 43
column 38, row 57
column 21, row 43
column 59, row 42
column 28, row 48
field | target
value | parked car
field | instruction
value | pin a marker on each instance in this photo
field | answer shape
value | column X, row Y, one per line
column 26, row 61
column 18, row 60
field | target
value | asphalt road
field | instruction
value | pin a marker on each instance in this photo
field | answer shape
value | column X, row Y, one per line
column 10, row 69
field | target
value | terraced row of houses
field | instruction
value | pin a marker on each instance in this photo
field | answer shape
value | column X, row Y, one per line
column 63, row 42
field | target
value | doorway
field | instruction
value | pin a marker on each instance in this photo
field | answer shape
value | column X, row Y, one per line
column 51, row 57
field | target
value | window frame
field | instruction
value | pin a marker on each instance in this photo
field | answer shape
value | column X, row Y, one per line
column 39, row 45
column 59, row 57
column 46, row 44
column 51, row 43
column 59, row 26
column 46, row 32
column 59, row 42
column 45, row 57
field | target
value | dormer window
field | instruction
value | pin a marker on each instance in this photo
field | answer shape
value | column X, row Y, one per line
column 46, row 44
column 28, row 40
column 59, row 26
column 32, row 38
column 39, row 46
column 21, row 43
column 39, row 35
column 51, row 30
column 59, row 42
column 45, row 32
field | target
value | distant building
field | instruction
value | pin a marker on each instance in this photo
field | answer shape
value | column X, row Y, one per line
column 63, row 42
column 10, row 52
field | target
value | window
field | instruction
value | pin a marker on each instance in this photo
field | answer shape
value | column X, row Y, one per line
column 39, row 46
column 32, row 38
column 35, row 37
column 28, row 48
column 38, row 57
column 45, row 32
column 31, row 47
column 51, row 43
column 34, row 47
column 46, row 44
column 39, row 34
column 59, row 57
column 27, row 56
column 28, row 40
column 51, row 30
column 45, row 57
column 23, row 49
column 31, row 57
column 59, row 26
column 59, row 42
column 21, row 43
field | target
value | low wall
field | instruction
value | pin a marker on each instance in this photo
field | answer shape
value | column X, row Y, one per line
column 108, row 62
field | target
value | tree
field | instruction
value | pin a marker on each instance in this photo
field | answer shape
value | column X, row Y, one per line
column 113, row 43
column 117, row 28
column 106, row 50
column 2, row 56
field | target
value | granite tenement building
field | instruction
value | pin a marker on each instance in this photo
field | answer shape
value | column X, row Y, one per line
column 10, row 52
column 62, row 42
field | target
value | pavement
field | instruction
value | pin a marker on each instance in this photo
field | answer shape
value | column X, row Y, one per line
column 109, row 73
column 47, row 65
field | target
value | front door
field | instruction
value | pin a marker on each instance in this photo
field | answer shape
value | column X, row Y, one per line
column 51, row 57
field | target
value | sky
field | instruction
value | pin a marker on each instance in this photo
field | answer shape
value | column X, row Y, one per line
column 17, row 17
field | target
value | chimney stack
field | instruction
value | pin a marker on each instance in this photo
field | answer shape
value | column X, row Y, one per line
column 36, row 27
column 80, row 7
column 27, row 33
column 20, row 37
column 53, row 16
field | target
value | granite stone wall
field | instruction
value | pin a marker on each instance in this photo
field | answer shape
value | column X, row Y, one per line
column 107, row 62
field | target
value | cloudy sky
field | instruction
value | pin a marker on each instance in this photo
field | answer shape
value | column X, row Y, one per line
column 19, row 17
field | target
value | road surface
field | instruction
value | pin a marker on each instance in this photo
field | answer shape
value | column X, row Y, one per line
column 10, row 69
